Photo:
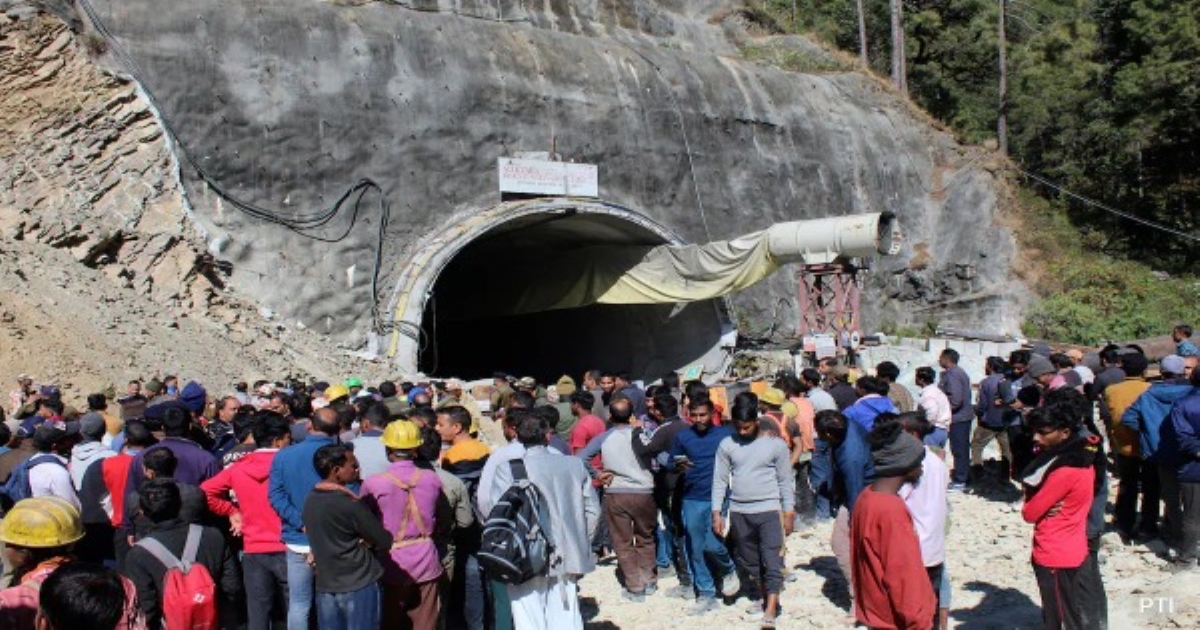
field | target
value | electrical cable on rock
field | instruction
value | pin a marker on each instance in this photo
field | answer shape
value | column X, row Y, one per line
column 304, row 225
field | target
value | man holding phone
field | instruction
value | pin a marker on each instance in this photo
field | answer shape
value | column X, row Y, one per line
column 668, row 492
column 694, row 451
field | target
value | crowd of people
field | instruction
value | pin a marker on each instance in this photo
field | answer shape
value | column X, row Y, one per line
column 342, row 506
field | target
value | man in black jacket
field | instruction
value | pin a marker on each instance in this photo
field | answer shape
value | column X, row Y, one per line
column 160, row 503
column 346, row 541
column 671, row 551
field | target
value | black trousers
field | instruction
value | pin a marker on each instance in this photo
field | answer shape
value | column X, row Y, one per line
column 1062, row 598
column 960, row 448
column 1138, row 479
column 935, row 578
column 1020, row 443
column 1091, row 588
column 806, row 497
column 1189, row 529
column 760, row 548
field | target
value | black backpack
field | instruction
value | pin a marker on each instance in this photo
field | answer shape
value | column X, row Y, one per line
column 517, row 544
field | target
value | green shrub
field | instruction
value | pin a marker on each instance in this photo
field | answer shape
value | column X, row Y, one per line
column 1111, row 300
column 792, row 58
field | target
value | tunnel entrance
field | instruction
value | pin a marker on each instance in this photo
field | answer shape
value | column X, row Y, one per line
column 468, row 331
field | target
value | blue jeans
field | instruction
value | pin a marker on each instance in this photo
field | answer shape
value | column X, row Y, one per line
column 265, row 576
column 300, row 591
column 468, row 599
column 356, row 610
column 665, row 543
column 937, row 438
column 821, row 477
column 704, row 547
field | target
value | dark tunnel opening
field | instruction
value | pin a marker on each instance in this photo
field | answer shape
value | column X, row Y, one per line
column 467, row 338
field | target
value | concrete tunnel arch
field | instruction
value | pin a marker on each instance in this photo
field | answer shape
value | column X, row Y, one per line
column 436, row 332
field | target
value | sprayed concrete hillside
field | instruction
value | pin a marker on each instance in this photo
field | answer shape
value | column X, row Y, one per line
column 286, row 104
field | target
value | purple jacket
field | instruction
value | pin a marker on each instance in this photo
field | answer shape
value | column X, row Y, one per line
column 196, row 465
column 415, row 557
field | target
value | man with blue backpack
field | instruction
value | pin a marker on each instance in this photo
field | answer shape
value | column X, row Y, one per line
column 45, row 474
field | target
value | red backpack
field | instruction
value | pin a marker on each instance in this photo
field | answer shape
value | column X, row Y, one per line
column 189, row 595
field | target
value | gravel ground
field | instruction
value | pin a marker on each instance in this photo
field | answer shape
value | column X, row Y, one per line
column 988, row 549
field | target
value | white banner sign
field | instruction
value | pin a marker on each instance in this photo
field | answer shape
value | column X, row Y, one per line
column 538, row 177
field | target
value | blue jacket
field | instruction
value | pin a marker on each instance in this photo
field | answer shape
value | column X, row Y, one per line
column 1148, row 414
column 866, row 409
column 292, row 478
column 701, row 450
column 853, row 468
column 1185, row 420
column 993, row 388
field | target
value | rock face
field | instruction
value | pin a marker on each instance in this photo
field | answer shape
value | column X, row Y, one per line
column 104, row 276
column 286, row 104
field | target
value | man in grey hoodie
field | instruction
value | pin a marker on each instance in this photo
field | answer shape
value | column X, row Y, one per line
column 97, row 543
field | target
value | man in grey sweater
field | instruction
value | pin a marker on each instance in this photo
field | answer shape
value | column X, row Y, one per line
column 756, row 471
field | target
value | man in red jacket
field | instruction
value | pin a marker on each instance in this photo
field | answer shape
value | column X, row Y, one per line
column 891, row 587
column 104, row 485
column 1058, row 487
column 264, row 564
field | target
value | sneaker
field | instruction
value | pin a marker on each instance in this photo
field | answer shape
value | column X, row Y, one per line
column 767, row 623
column 680, row 591
column 650, row 589
column 704, row 605
column 957, row 487
column 731, row 585
column 634, row 596
column 667, row 571
column 755, row 607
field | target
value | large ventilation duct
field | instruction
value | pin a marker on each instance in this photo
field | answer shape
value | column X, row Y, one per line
column 822, row 241
column 615, row 273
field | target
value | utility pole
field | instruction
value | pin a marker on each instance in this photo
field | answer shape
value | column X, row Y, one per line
column 1002, row 117
column 899, row 65
column 862, row 36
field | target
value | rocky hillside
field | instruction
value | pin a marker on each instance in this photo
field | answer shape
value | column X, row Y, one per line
column 699, row 118
column 104, row 276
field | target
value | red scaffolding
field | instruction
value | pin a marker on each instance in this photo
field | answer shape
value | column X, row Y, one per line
column 829, row 301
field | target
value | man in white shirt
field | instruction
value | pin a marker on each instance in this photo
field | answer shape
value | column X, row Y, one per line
column 926, row 502
column 48, row 474
column 936, row 406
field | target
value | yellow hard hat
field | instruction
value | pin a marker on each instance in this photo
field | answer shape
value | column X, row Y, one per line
column 334, row 392
column 773, row 397
column 401, row 434
column 42, row 522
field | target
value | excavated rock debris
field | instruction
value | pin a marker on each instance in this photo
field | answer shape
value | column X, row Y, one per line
column 104, row 278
